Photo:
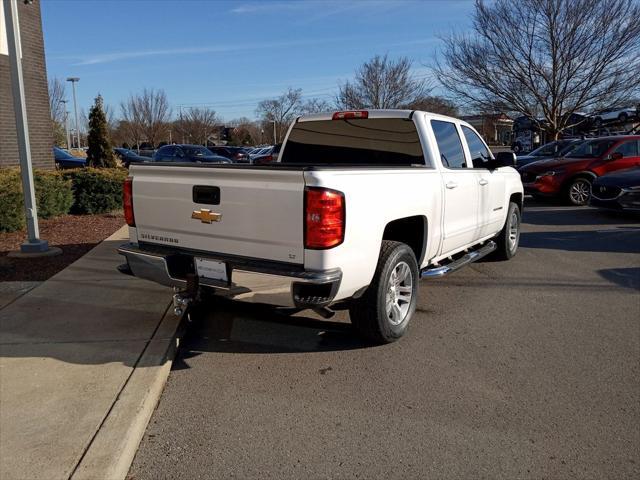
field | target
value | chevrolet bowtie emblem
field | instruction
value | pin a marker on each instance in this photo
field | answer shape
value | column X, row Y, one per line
column 206, row 216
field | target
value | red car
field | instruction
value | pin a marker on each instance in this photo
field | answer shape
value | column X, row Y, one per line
column 571, row 176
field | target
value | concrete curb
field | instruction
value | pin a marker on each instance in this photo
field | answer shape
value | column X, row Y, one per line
column 113, row 448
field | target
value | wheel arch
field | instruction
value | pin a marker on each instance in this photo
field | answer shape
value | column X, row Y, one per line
column 582, row 174
column 412, row 230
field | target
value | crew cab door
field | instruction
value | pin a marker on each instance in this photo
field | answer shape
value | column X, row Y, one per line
column 460, row 185
column 491, row 183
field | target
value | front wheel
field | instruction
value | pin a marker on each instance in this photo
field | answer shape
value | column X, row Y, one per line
column 383, row 313
column 579, row 191
column 509, row 237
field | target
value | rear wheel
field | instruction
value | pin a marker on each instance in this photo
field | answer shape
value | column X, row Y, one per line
column 383, row 313
column 578, row 191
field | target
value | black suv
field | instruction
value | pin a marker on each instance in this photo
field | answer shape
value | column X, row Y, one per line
column 187, row 153
column 237, row 154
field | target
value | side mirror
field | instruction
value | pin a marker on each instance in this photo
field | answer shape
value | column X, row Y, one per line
column 505, row 159
column 615, row 156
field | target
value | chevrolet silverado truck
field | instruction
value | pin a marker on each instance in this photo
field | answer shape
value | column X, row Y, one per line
column 359, row 206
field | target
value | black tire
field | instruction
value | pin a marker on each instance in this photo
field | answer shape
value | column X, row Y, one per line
column 507, row 246
column 578, row 191
column 369, row 313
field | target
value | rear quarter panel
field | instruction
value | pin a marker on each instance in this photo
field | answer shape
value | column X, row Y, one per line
column 375, row 197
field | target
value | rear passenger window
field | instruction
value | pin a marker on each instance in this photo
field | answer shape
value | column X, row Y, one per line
column 628, row 149
column 480, row 156
column 449, row 144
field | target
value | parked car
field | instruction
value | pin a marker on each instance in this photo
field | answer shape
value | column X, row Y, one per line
column 622, row 115
column 187, row 153
column 558, row 148
column 64, row 159
column 237, row 154
column 617, row 191
column 356, row 209
column 572, row 175
column 268, row 155
column 127, row 157
column 258, row 152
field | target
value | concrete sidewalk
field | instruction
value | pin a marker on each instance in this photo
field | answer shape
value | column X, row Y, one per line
column 83, row 360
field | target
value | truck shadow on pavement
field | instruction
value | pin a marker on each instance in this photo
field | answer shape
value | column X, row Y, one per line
column 235, row 327
column 538, row 215
column 620, row 239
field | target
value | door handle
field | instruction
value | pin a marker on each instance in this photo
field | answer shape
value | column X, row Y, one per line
column 483, row 182
column 451, row 185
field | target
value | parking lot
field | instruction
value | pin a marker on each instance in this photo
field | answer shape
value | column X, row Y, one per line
column 520, row 369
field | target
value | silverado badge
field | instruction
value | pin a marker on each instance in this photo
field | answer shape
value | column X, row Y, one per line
column 206, row 216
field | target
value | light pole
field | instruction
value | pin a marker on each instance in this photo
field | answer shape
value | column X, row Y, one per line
column 66, row 123
column 73, row 81
column 275, row 134
column 33, row 246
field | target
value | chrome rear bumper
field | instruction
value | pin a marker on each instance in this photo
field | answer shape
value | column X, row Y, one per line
column 253, row 281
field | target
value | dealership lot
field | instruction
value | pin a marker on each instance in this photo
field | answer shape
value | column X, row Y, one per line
column 526, row 369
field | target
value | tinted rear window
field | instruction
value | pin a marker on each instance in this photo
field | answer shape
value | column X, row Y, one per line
column 375, row 141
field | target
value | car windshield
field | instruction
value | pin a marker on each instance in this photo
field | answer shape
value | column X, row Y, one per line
column 591, row 149
column 546, row 150
column 197, row 151
column 570, row 147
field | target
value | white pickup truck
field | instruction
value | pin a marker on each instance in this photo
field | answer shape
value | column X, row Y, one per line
column 359, row 206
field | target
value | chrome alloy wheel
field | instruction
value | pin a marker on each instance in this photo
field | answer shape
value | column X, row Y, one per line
column 580, row 192
column 514, row 231
column 399, row 293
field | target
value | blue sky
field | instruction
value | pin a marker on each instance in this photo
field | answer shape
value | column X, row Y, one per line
column 230, row 55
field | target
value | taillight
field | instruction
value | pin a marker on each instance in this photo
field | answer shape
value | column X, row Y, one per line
column 127, row 202
column 350, row 114
column 324, row 218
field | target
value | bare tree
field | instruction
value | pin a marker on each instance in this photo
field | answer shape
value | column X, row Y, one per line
column 281, row 110
column 434, row 104
column 545, row 58
column 197, row 124
column 315, row 105
column 147, row 115
column 382, row 83
column 57, row 97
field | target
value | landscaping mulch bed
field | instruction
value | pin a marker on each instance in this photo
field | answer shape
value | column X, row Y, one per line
column 74, row 234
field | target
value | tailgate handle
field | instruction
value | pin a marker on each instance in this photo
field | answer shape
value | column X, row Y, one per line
column 206, row 194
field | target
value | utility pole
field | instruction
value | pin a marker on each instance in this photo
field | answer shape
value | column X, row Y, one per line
column 73, row 81
column 66, row 123
column 33, row 246
column 275, row 134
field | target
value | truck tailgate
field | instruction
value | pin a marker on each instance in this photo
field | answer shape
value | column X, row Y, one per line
column 261, row 210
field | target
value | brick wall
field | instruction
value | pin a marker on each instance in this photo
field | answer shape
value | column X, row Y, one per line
column 36, row 93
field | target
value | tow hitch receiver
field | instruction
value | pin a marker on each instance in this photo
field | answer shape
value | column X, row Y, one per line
column 183, row 299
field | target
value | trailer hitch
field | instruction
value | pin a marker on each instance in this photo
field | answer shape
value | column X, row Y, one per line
column 184, row 299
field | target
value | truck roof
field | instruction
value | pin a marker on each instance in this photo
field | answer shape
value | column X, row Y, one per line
column 373, row 113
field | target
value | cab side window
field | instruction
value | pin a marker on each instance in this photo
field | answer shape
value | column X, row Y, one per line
column 628, row 149
column 480, row 156
column 449, row 144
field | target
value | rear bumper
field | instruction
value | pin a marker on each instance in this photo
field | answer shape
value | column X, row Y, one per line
column 251, row 280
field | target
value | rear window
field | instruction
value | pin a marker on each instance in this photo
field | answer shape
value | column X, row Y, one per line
column 374, row 141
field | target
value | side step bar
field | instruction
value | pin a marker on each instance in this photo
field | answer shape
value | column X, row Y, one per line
column 439, row 271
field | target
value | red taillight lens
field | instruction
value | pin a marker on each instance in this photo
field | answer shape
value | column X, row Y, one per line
column 324, row 218
column 350, row 114
column 127, row 202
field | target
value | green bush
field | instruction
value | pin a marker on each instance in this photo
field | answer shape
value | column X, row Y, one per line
column 96, row 190
column 11, row 211
column 53, row 197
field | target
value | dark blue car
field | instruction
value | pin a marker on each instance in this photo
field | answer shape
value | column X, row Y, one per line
column 187, row 153
column 129, row 156
column 65, row 160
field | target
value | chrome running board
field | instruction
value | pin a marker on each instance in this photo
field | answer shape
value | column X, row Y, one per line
column 470, row 257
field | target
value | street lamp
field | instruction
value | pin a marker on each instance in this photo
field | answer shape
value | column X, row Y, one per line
column 33, row 246
column 66, row 123
column 275, row 134
column 73, row 81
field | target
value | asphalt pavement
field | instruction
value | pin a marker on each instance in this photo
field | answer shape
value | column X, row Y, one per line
column 521, row 369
